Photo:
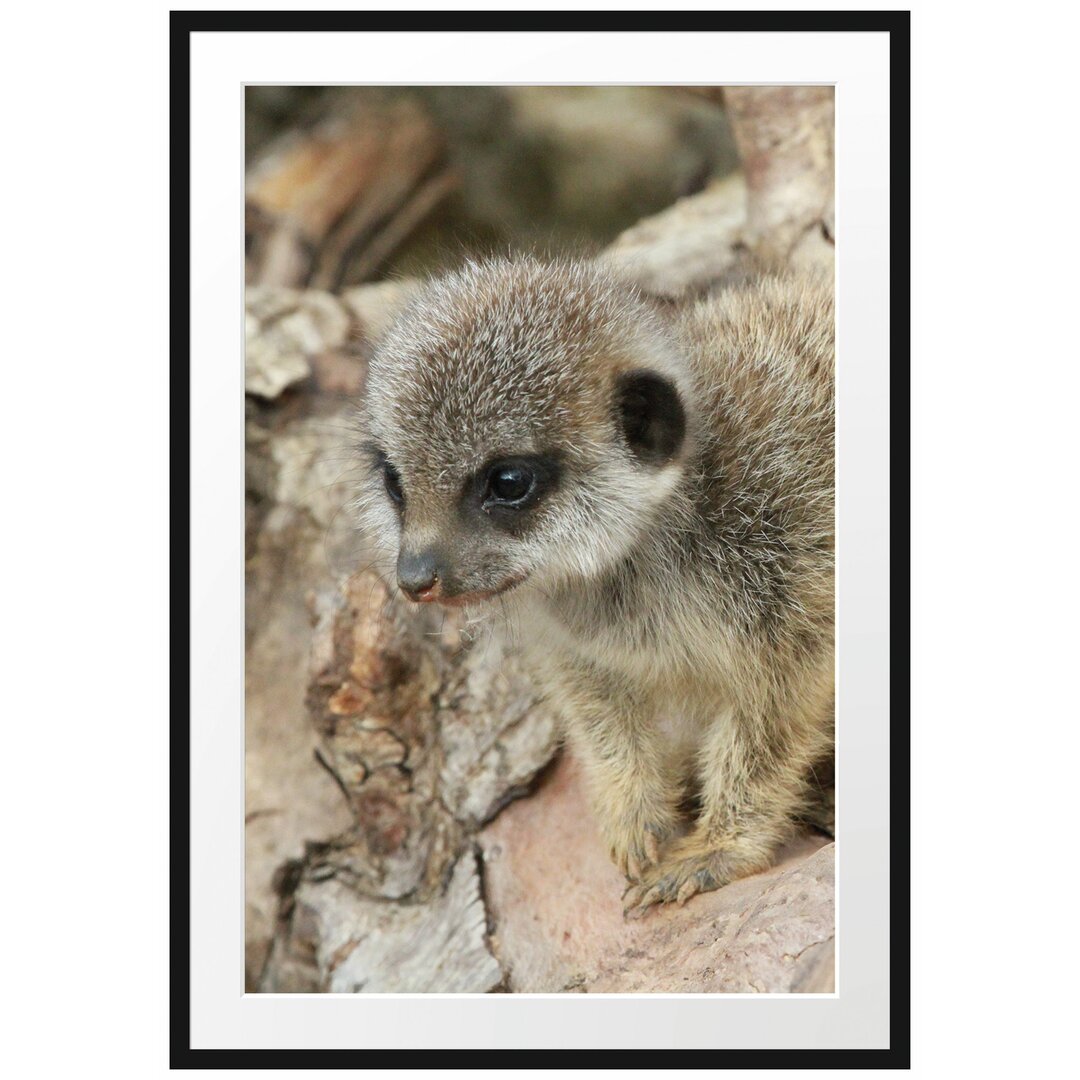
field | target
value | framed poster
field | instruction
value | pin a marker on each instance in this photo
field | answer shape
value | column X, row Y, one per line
column 441, row 229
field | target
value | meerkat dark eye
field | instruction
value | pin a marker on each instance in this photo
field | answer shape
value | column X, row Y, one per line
column 510, row 483
column 508, row 487
column 392, row 481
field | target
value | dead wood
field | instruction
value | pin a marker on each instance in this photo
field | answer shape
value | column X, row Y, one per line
column 428, row 728
column 785, row 140
column 331, row 204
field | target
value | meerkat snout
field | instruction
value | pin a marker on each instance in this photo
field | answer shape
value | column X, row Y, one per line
column 469, row 544
column 418, row 574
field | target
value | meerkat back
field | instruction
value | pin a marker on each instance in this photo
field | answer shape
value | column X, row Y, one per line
column 762, row 358
column 760, row 532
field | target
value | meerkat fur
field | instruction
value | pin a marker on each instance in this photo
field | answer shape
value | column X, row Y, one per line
column 649, row 492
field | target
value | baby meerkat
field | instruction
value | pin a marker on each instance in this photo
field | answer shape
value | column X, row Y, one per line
column 650, row 494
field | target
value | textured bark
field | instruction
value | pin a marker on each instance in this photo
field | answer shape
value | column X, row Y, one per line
column 337, row 941
column 429, row 726
column 776, row 212
column 459, row 859
column 286, row 331
column 300, row 542
column 785, row 140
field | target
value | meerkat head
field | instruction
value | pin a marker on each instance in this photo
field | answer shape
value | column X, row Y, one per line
column 524, row 422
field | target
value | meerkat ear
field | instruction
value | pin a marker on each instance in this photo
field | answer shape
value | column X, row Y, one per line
column 650, row 415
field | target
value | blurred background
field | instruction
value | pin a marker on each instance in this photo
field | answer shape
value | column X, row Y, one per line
column 443, row 170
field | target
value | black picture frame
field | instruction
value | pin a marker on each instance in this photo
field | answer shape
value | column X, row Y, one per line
column 897, row 25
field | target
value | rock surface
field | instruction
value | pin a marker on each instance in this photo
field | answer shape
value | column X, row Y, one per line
column 554, row 903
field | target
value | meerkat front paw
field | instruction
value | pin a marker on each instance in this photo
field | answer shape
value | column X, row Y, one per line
column 637, row 847
column 687, row 870
column 666, row 883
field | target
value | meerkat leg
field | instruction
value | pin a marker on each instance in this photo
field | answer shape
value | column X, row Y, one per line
column 754, row 776
column 634, row 798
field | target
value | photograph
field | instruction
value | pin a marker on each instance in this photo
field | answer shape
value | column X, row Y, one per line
column 540, row 539
column 532, row 546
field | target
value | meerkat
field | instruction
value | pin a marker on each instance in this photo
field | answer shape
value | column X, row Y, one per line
column 649, row 493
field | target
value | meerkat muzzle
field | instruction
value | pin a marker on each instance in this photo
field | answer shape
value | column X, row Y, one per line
column 418, row 576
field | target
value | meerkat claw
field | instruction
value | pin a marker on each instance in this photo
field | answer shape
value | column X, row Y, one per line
column 689, row 888
column 632, row 901
column 655, row 895
column 645, row 897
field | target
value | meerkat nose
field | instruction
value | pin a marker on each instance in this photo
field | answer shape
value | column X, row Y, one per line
column 418, row 576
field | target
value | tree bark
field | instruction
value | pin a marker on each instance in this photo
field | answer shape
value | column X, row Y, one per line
column 785, row 139
column 333, row 203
